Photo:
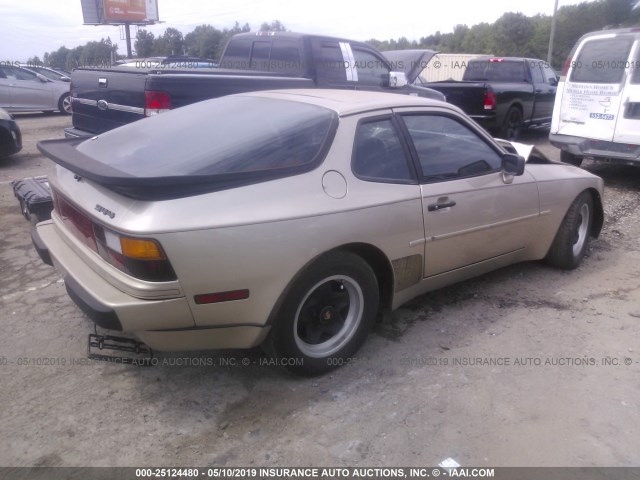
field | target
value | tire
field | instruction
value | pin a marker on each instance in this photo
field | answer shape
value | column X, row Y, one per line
column 64, row 104
column 569, row 158
column 326, row 316
column 512, row 125
column 572, row 239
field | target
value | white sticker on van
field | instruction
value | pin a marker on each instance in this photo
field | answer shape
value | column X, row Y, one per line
column 601, row 116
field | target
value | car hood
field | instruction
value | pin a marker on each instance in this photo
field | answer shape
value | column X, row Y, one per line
column 411, row 62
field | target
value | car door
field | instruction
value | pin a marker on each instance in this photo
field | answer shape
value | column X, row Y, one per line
column 472, row 212
column 28, row 92
column 544, row 92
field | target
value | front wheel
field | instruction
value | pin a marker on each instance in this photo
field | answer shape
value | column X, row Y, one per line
column 327, row 315
column 572, row 239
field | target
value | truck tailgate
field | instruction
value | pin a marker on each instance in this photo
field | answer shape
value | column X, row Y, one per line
column 469, row 96
column 105, row 99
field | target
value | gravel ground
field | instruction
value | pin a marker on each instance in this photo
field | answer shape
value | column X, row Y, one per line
column 563, row 388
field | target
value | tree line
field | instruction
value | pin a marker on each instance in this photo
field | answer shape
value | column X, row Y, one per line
column 518, row 35
column 513, row 34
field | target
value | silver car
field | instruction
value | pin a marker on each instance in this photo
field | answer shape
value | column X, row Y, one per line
column 22, row 90
column 290, row 218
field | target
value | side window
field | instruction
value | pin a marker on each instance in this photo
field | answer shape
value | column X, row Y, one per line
column 330, row 63
column 371, row 69
column 635, row 68
column 25, row 75
column 378, row 154
column 285, row 57
column 536, row 73
column 236, row 56
column 448, row 149
column 11, row 72
column 550, row 76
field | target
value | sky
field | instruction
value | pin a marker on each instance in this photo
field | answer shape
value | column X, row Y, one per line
column 33, row 27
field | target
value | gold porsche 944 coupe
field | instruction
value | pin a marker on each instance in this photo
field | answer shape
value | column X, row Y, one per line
column 290, row 218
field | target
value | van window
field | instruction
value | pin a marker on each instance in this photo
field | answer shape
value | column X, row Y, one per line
column 635, row 68
column 602, row 61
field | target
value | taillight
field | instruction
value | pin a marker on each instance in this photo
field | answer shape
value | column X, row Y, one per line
column 156, row 103
column 489, row 100
column 566, row 65
column 142, row 258
column 139, row 257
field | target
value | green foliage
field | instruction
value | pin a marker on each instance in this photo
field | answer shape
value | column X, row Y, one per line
column 274, row 26
column 171, row 42
column 515, row 34
column 144, row 43
column 204, row 41
column 100, row 53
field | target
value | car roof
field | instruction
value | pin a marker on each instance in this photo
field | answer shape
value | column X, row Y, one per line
column 616, row 31
column 351, row 102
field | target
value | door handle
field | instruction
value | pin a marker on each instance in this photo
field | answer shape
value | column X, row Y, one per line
column 434, row 207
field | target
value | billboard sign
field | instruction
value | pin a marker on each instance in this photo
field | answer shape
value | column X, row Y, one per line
column 117, row 12
column 124, row 10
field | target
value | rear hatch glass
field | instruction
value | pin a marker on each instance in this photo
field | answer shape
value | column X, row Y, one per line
column 207, row 146
column 602, row 61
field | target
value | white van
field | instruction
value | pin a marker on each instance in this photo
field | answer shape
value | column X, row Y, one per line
column 597, row 107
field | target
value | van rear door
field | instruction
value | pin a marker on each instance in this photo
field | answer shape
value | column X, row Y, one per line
column 628, row 123
column 592, row 93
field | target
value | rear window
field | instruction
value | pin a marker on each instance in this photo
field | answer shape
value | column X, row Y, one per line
column 495, row 71
column 602, row 61
column 233, row 135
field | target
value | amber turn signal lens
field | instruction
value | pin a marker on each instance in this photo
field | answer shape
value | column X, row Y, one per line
column 141, row 249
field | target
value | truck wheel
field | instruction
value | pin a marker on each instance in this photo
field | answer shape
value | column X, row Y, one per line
column 64, row 104
column 573, row 236
column 512, row 126
column 326, row 316
column 570, row 158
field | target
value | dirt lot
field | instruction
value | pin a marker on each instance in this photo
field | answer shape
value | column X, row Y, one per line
column 565, row 391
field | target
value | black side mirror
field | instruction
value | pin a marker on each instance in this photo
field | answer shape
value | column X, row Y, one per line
column 513, row 164
column 553, row 82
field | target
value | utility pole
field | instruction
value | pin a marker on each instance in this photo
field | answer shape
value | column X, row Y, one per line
column 553, row 32
column 127, row 31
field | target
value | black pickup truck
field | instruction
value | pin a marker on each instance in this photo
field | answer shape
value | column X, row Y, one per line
column 103, row 99
column 504, row 95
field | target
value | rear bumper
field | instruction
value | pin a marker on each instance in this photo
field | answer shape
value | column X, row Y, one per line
column 165, row 325
column 488, row 122
column 621, row 153
column 75, row 133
